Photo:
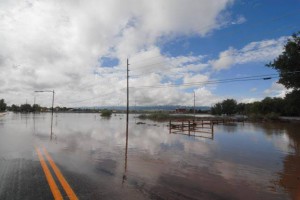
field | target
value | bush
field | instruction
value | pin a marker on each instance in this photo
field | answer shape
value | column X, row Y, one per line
column 106, row 113
column 256, row 117
column 272, row 116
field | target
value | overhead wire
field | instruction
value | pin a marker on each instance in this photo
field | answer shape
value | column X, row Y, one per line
column 165, row 69
column 223, row 56
column 295, row 12
column 187, row 84
column 246, row 78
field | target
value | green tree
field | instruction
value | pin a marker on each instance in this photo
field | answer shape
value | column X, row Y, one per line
column 288, row 63
column 267, row 105
column 15, row 108
column 216, row 109
column 291, row 106
column 106, row 113
column 2, row 105
column 36, row 108
column 241, row 108
column 229, row 106
column 25, row 108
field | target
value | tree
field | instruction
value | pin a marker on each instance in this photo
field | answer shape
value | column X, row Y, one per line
column 15, row 108
column 36, row 108
column 106, row 113
column 2, row 105
column 216, row 109
column 241, row 108
column 25, row 108
column 288, row 63
column 229, row 106
column 291, row 106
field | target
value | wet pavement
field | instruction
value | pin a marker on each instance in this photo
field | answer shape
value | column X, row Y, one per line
column 87, row 155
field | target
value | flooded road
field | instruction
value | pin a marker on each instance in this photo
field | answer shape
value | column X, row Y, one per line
column 239, row 161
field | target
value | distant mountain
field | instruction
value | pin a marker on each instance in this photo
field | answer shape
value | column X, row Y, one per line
column 150, row 108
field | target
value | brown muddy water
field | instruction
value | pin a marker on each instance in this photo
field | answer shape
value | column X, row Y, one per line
column 240, row 161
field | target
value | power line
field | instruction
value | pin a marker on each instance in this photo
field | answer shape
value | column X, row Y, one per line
column 224, row 56
column 248, row 78
column 295, row 12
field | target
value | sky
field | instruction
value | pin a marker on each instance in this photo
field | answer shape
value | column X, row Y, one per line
column 175, row 49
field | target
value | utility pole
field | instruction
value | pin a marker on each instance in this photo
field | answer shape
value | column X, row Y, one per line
column 127, row 110
column 52, row 111
column 194, row 105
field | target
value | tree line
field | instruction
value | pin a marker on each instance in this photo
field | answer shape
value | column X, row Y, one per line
column 2, row 105
column 272, row 107
column 28, row 108
column 287, row 65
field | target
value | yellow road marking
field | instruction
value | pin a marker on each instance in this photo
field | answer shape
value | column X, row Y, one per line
column 55, row 191
column 61, row 178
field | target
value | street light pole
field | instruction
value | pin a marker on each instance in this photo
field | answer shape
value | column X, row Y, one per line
column 194, row 105
column 52, row 105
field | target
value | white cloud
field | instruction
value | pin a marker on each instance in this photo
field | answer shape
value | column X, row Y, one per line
column 249, row 100
column 240, row 20
column 58, row 44
column 205, row 97
column 253, row 89
column 190, row 78
column 276, row 90
column 260, row 51
column 225, row 60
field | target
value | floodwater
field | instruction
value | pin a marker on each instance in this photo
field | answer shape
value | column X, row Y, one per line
column 237, row 161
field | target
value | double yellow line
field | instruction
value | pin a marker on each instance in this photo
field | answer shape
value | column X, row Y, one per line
column 54, row 189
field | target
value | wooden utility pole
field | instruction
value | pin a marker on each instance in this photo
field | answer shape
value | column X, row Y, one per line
column 52, row 112
column 194, row 105
column 127, row 110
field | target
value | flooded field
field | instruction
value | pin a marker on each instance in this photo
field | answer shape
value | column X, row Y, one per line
column 239, row 161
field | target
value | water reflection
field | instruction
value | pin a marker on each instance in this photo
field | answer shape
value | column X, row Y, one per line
column 250, row 161
column 126, row 154
column 290, row 175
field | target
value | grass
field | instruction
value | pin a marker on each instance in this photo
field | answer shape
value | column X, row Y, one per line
column 162, row 116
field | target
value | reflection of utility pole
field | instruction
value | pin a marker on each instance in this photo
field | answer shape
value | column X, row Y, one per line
column 126, row 153
column 52, row 106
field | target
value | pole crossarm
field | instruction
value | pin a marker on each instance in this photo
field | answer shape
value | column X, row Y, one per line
column 44, row 91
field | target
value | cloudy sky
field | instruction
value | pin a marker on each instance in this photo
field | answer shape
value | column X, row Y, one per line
column 175, row 48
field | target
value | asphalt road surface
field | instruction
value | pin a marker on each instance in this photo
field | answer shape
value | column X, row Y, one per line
column 35, row 164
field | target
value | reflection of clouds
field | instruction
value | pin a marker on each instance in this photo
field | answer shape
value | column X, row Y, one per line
column 233, row 172
column 282, row 142
column 226, row 169
column 243, row 161
column 196, row 147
